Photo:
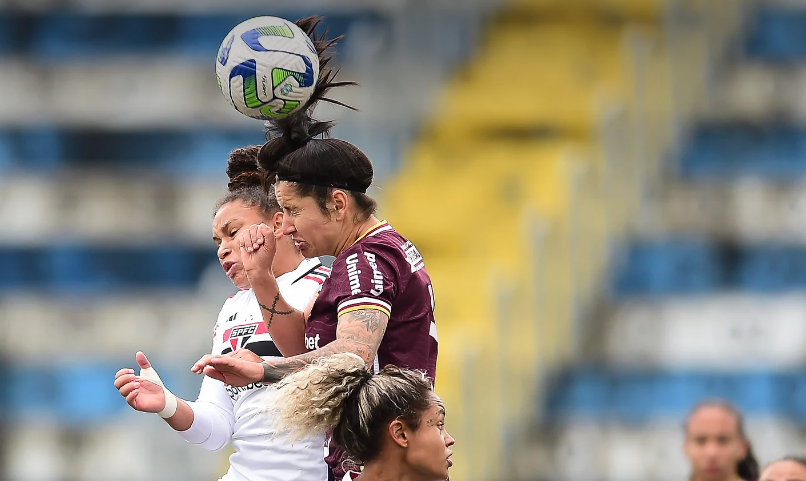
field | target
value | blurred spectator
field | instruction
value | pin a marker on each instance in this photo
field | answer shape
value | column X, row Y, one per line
column 716, row 444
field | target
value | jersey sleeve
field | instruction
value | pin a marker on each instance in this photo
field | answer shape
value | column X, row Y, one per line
column 366, row 279
column 213, row 417
column 213, row 410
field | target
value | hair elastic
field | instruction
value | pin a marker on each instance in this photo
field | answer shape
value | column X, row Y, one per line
column 331, row 185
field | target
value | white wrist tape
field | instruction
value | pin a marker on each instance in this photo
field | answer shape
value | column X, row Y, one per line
column 149, row 374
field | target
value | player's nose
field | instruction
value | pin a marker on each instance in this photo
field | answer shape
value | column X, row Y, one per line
column 288, row 225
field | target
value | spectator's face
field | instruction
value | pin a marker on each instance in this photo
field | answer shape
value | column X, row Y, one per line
column 784, row 471
column 713, row 444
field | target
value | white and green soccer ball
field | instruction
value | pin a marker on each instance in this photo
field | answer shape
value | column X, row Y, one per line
column 267, row 68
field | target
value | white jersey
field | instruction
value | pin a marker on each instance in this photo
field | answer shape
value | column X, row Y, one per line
column 224, row 413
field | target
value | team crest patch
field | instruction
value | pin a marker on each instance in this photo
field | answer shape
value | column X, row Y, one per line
column 238, row 336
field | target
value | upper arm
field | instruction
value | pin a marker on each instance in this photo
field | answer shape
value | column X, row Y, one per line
column 364, row 330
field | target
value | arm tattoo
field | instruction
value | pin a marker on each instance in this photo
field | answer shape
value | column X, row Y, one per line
column 274, row 311
column 359, row 332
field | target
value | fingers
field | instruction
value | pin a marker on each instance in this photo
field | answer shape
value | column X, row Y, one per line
column 142, row 360
column 204, row 361
column 128, row 388
column 213, row 373
column 123, row 377
column 254, row 237
column 244, row 354
column 131, row 398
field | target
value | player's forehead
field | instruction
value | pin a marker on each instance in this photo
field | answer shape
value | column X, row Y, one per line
column 236, row 211
column 785, row 470
column 437, row 406
column 287, row 195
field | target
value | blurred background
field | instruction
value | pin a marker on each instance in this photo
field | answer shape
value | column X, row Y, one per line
column 610, row 197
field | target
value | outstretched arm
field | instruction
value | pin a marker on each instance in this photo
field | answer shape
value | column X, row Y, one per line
column 359, row 332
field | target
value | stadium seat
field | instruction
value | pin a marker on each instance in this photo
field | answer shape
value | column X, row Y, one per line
column 671, row 267
column 777, row 35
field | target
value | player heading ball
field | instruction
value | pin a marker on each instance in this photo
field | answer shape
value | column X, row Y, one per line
column 378, row 302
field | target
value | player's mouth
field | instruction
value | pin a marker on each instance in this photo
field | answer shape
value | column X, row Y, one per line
column 229, row 268
column 450, row 461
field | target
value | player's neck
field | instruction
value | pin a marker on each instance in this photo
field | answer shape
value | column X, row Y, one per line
column 286, row 258
column 386, row 469
column 355, row 232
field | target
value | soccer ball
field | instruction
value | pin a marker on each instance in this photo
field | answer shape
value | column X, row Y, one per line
column 267, row 68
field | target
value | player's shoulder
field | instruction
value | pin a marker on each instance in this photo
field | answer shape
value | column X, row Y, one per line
column 381, row 239
column 237, row 300
column 312, row 270
column 388, row 244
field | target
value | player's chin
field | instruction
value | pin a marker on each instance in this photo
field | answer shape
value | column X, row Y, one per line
column 240, row 280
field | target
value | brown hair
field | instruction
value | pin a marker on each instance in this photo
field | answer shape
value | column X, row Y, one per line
column 298, row 148
column 338, row 393
column 747, row 468
column 248, row 182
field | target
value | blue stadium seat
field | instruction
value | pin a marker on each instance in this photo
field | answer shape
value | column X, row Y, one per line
column 184, row 151
column 73, row 269
column 642, row 396
column 676, row 266
column 70, row 35
column 770, row 269
column 778, row 35
column 730, row 151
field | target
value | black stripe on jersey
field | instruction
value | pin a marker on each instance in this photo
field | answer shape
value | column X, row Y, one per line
column 261, row 348
column 317, row 266
column 264, row 348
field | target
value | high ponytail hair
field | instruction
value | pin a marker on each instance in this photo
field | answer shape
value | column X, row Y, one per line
column 248, row 182
column 339, row 394
column 748, row 467
column 298, row 147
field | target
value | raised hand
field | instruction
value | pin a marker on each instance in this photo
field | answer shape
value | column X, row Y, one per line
column 257, row 244
column 140, row 394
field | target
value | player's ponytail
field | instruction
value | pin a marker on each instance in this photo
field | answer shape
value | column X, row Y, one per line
column 313, row 400
column 243, row 170
column 298, row 150
column 339, row 394
column 289, row 133
column 248, row 182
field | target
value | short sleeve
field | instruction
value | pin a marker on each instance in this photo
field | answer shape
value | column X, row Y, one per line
column 367, row 279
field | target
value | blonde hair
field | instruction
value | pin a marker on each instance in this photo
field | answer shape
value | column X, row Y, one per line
column 339, row 394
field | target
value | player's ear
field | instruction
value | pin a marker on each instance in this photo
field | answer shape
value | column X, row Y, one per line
column 340, row 201
column 277, row 224
column 398, row 432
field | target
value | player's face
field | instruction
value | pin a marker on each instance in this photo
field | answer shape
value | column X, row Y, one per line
column 227, row 223
column 784, row 471
column 429, row 449
column 314, row 232
column 713, row 444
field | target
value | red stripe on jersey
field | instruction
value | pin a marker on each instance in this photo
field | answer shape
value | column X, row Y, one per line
column 319, row 280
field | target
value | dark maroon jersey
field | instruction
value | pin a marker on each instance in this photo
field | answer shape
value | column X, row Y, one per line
column 381, row 271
